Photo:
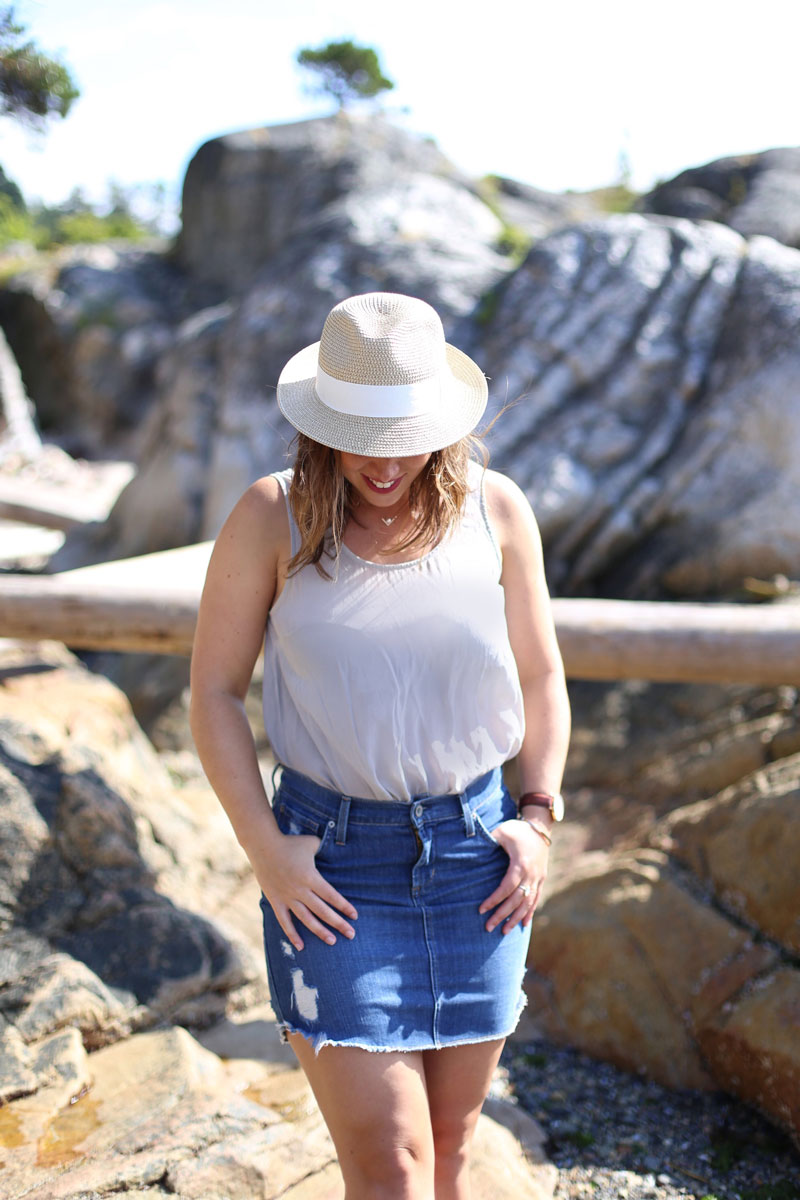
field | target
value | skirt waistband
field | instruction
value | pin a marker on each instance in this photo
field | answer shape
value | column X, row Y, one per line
column 328, row 803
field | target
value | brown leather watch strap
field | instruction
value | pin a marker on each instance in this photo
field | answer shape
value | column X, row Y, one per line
column 539, row 799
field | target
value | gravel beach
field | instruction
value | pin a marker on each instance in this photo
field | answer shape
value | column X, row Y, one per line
column 615, row 1136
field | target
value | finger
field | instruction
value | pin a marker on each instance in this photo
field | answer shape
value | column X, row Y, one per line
column 513, row 903
column 312, row 923
column 287, row 925
column 316, row 905
column 335, row 899
column 535, row 898
column 504, row 889
column 521, row 915
column 516, row 918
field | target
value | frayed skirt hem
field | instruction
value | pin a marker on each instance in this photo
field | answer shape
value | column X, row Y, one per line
column 319, row 1041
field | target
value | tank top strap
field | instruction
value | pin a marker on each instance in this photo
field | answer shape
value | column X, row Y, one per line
column 284, row 478
column 476, row 499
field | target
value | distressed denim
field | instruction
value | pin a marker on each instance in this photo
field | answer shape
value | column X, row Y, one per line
column 422, row 971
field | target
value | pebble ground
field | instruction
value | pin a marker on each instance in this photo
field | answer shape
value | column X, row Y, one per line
column 615, row 1136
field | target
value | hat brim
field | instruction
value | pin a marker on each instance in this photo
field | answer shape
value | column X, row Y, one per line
column 464, row 396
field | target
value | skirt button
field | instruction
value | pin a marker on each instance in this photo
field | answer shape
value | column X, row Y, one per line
column 418, row 810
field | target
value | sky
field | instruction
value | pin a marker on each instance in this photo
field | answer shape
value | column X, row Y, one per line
column 556, row 94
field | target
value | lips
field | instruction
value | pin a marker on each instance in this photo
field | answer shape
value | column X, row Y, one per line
column 380, row 487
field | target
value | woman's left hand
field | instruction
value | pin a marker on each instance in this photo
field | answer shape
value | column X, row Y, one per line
column 515, row 898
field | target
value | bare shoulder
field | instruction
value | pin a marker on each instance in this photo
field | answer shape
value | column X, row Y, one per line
column 509, row 511
column 254, row 544
column 259, row 519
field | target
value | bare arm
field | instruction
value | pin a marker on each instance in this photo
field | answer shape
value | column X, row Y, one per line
column 247, row 563
column 547, row 719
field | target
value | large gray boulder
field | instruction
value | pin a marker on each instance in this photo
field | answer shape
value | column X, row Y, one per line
column 247, row 194
column 753, row 193
column 216, row 427
column 87, row 328
column 652, row 362
column 653, row 370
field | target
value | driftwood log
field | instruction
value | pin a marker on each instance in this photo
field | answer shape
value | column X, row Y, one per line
column 150, row 604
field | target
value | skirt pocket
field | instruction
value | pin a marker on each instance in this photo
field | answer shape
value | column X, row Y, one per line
column 294, row 819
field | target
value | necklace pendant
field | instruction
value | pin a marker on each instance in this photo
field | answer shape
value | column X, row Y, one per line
column 389, row 520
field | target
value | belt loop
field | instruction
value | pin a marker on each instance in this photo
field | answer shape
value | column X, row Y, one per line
column 341, row 828
column 278, row 767
column 469, row 819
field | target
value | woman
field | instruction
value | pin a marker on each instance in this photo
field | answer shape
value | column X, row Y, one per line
column 409, row 653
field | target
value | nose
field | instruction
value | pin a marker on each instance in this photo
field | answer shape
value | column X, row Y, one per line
column 385, row 468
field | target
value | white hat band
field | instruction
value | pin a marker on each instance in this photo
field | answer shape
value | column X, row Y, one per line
column 379, row 400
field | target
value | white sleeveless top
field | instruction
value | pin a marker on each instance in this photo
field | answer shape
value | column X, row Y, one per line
column 395, row 680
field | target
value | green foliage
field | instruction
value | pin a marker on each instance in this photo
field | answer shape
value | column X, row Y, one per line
column 15, row 223
column 74, row 221
column 33, row 86
column 513, row 240
column 617, row 198
column 344, row 71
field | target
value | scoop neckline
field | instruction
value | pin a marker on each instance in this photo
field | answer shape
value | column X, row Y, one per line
column 410, row 562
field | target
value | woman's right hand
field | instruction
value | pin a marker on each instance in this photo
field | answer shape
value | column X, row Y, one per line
column 294, row 887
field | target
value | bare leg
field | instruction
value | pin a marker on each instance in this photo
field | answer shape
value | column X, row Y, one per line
column 376, row 1108
column 458, row 1079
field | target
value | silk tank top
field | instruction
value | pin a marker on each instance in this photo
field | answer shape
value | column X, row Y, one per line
column 395, row 680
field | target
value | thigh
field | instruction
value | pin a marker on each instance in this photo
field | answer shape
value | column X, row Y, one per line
column 374, row 1103
column 457, row 1080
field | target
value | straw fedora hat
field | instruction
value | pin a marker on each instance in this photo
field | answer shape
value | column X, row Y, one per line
column 382, row 381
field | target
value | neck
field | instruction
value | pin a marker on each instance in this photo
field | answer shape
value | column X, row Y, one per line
column 372, row 517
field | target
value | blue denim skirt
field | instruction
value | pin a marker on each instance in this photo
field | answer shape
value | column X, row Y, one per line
column 422, row 971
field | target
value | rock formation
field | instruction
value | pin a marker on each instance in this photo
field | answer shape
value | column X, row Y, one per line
column 19, row 437
column 102, row 863
column 653, row 366
column 753, row 193
column 651, row 362
column 87, row 328
column 226, row 1117
column 650, row 365
column 679, row 959
column 112, row 880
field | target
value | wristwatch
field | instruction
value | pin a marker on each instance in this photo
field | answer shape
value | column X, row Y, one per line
column 553, row 803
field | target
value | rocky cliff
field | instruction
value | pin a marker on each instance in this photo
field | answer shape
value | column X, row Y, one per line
column 651, row 362
column 652, row 366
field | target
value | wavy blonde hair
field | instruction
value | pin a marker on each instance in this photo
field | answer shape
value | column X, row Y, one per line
column 322, row 500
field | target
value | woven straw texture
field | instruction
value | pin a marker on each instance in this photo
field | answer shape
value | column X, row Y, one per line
column 384, row 340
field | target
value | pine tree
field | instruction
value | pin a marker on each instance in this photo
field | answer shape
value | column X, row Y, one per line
column 345, row 71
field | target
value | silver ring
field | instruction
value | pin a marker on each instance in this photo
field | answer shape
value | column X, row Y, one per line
column 525, row 888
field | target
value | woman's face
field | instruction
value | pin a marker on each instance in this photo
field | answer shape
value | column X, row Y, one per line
column 382, row 482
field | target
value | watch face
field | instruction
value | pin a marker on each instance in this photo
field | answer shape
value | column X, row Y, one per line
column 557, row 808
